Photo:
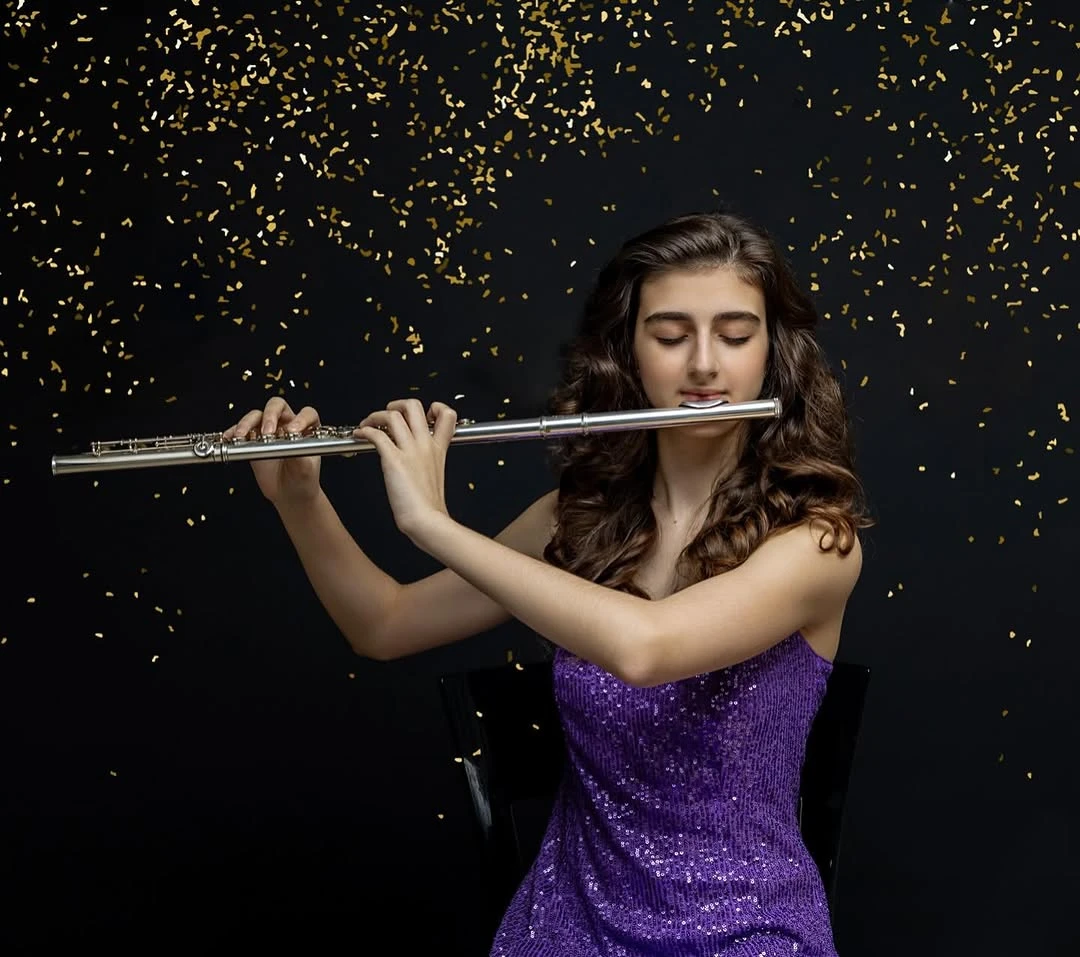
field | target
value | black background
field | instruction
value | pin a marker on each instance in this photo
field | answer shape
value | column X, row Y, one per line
column 190, row 751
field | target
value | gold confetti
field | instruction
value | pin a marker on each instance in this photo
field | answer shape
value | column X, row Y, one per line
column 264, row 136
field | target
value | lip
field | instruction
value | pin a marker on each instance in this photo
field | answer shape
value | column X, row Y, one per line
column 702, row 395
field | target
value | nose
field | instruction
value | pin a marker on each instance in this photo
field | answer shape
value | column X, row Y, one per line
column 705, row 359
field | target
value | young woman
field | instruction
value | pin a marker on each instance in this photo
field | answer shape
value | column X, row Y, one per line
column 692, row 581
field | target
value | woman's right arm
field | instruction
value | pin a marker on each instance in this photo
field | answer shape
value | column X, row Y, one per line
column 380, row 617
column 357, row 594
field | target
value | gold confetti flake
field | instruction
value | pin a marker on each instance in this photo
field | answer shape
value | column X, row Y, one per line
column 265, row 137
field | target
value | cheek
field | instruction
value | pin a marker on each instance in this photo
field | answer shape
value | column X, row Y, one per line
column 754, row 363
column 663, row 363
column 763, row 357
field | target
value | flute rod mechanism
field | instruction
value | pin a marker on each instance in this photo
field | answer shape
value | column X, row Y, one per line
column 329, row 440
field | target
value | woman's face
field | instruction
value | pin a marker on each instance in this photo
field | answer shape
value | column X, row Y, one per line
column 700, row 330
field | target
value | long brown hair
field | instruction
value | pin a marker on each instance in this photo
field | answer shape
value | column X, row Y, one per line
column 791, row 469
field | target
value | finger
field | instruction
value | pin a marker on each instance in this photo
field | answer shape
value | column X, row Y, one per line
column 391, row 423
column 306, row 418
column 375, row 436
column 272, row 414
column 248, row 422
column 445, row 419
column 413, row 413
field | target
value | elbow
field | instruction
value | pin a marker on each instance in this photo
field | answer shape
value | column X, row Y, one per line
column 639, row 666
column 635, row 677
column 641, row 677
column 368, row 646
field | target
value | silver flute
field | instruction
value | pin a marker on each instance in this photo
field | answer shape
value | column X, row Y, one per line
column 333, row 440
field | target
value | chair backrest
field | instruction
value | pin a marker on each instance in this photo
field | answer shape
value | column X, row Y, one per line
column 506, row 731
column 505, row 727
column 826, row 772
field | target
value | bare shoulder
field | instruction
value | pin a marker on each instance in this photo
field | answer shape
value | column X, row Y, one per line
column 531, row 531
column 808, row 556
column 547, row 519
column 547, row 505
column 814, row 536
column 810, row 548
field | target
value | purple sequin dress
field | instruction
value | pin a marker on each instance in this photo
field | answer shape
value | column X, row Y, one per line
column 674, row 832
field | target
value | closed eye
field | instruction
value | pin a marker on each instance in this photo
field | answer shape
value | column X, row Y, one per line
column 729, row 340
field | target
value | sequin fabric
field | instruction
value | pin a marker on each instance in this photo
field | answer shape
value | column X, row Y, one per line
column 674, row 832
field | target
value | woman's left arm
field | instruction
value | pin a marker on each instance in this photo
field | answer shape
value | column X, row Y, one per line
column 787, row 583
column 609, row 628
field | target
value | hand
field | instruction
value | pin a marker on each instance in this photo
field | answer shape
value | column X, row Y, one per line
column 413, row 458
column 285, row 481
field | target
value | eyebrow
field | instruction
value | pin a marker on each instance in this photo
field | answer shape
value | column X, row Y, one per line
column 686, row 317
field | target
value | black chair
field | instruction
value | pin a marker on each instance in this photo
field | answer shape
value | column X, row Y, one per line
column 505, row 726
column 826, row 771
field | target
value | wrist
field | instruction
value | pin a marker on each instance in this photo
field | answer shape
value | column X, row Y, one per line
column 419, row 532
column 296, row 506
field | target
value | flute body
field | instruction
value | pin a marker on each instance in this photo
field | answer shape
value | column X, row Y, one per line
column 330, row 440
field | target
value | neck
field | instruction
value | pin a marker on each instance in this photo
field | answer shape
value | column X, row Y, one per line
column 687, row 471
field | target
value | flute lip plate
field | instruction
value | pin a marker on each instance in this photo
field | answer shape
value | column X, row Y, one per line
column 703, row 403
